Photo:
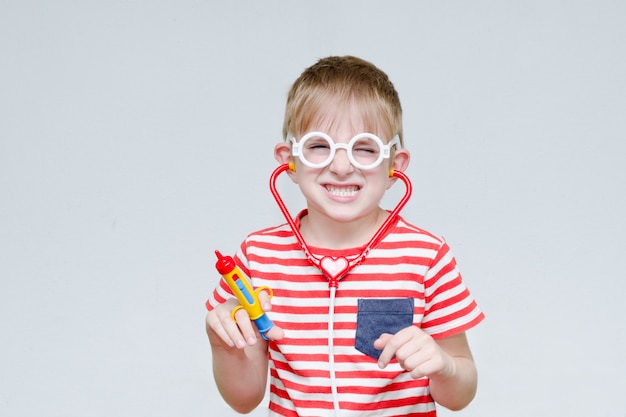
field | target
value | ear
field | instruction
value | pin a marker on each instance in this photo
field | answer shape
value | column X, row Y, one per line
column 401, row 161
column 282, row 153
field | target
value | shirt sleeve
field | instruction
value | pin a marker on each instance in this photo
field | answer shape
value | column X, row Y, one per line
column 450, row 308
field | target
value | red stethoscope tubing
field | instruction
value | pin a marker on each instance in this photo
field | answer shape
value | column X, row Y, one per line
column 333, row 280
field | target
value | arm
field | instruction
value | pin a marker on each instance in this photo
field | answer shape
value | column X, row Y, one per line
column 447, row 362
column 240, row 358
column 231, row 364
column 457, row 389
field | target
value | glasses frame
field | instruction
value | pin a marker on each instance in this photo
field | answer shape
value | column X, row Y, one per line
column 385, row 150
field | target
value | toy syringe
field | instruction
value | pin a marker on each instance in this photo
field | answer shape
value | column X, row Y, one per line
column 248, row 298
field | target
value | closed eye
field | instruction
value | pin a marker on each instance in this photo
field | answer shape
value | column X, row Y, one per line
column 318, row 146
column 365, row 150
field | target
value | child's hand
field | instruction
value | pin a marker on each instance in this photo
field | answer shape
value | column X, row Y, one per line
column 416, row 352
column 243, row 332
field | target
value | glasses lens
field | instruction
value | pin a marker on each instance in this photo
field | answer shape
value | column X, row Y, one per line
column 316, row 150
column 366, row 151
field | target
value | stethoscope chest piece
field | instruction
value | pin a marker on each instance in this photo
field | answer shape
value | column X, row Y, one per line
column 334, row 268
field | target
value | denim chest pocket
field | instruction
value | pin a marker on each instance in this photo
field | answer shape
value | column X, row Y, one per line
column 378, row 316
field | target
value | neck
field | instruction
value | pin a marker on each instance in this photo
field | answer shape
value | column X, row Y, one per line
column 320, row 231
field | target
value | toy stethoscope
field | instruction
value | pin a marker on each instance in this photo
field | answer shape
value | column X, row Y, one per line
column 335, row 268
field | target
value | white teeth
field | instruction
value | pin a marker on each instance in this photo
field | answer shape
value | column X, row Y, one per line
column 342, row 191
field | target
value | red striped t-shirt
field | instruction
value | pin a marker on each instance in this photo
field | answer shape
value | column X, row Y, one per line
column 407, row 263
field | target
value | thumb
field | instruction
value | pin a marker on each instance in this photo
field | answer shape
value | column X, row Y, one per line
column 265, row 299
column 274, row 333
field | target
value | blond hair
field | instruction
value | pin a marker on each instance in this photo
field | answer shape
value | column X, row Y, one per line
column 338, row 83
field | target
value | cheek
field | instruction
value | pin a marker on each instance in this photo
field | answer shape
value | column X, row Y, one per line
column 301, row 175
column 390, row 182
column 379, row 184
column 304, row 176
column 381, row 176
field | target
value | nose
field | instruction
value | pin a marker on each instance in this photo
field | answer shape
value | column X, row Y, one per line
column 341, row 164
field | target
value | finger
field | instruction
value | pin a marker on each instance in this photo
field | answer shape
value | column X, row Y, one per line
column 213, row 326
column 420, row 355
column 264, row 299
column 275, row 333
column 423, row 366
column 399, row 345
column 232, row 331
column 244, row 330
column 413, row 344
column 387, row 343
column 382, row 341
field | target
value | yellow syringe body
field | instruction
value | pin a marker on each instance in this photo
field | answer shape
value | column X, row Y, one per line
column 247, row 297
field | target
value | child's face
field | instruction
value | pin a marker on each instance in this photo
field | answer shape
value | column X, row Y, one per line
column 340, row 191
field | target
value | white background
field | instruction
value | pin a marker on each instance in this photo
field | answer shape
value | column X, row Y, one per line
column 136, row 137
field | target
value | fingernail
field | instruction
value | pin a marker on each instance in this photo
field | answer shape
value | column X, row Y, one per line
column 240, row 343
column 251, row 340
column 381, row 365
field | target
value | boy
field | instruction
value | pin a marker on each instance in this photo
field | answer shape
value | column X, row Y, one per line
column 388, row 339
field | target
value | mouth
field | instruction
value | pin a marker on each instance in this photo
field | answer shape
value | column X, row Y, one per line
column 342, row 191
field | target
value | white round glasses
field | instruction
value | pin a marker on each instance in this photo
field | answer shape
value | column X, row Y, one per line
column 365, row 150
